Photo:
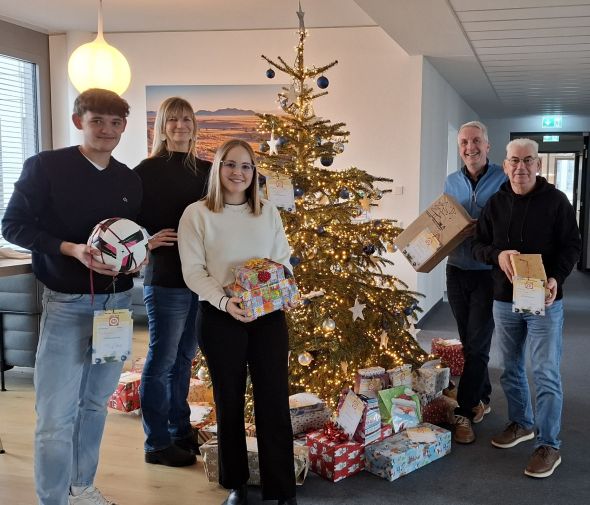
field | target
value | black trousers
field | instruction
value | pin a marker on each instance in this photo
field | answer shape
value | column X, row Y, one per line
column 470, row 294
column 231, row 348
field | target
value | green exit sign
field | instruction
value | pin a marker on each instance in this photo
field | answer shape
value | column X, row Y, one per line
column 551, row 122
column 550, row 138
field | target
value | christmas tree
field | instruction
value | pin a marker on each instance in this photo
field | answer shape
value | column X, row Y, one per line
column 354, row 313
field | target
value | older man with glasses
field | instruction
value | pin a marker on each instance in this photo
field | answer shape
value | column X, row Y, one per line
column 469, row 282
column 529, row 215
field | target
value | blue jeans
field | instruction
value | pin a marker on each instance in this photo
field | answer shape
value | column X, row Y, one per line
column 71, row 393
column 543, row 335
column 172, row 314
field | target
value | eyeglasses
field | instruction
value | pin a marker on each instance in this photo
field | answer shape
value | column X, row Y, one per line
column 528, row 161
column 232, row 165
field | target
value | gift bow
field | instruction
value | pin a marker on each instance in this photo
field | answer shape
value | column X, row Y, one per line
column 334, row 432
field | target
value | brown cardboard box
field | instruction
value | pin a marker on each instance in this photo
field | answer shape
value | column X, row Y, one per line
column 434, row 234
column 529, row 266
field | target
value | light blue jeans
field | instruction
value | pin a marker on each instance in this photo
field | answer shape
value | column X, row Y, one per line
column 172, row 314
column 71, row 393
column 543, row 335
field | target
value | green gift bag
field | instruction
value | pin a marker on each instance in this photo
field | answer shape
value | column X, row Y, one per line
column 386, row 397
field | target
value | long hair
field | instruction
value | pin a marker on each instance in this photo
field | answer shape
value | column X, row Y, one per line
column 174, row 106
column 214, row 198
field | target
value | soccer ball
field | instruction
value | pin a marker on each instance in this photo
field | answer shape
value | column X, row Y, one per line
column 121, row 242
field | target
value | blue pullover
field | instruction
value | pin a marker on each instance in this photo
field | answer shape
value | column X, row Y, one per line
column 473, row 200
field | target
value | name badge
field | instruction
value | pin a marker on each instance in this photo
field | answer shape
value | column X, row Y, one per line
column 112, row 331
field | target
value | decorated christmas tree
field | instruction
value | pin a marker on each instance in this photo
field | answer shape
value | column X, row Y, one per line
column 355, row 313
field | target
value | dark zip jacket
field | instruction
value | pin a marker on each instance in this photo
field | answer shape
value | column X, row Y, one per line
column 541, row 222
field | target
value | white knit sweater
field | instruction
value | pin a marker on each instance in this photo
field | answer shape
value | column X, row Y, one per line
column 212, row 244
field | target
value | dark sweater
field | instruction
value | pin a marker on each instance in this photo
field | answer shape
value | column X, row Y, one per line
column 540, row 222
column 169, row 186
column 60, row 196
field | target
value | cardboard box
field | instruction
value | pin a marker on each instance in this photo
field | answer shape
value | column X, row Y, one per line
column 529, row 284
column 434, row 234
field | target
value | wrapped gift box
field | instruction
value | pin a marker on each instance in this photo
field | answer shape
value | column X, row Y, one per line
column 438, row 411
column 264, row 286
column 400, row 376
column 126, row 396
column 209, row 452
column 368, row 381
column 308, row 412
column 399, row 455
column 430, row 381
column 450, row 352
column 200, row 392
column 334, row 460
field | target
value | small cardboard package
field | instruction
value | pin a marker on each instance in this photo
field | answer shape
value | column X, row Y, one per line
column 528, row 284
column 434, row 234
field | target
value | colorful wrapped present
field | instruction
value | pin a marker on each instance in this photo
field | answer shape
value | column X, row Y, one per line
column 450, row 352
column 430, row 380
column 400, row 376
column 399, row 407
column 200, row 392
column 209, row 452
column 438, row 411
column 334, row 458
column 308, row 412
column 264, row 286
column 407, row 451
column 126, row 396
column 368, row 381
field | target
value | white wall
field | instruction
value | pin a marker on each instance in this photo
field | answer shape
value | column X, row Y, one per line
column 442, row 108
column 499, row 130
column 375, row 89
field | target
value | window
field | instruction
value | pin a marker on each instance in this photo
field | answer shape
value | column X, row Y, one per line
column 19, row 132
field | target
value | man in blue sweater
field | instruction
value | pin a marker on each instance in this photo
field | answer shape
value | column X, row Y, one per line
column 469, row 282
column 60, row 196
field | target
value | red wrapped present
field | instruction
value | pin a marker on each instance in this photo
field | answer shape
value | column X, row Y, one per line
column 334, row 457
column 450, row 352
column 126, row 396
column 439, row 411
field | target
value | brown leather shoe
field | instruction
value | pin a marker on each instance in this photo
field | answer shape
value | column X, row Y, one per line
column 463, row 431
column 544, row 460
column 512, row 435
column 480, row 410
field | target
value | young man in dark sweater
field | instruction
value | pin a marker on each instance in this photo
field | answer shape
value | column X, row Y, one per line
column 60, row 196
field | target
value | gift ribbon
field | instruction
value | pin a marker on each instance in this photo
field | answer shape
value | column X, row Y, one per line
column 335, row 433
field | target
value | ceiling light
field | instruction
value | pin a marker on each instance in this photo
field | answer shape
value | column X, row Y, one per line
column 97, row 64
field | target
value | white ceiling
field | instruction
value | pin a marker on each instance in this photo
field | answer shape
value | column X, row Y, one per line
column 506, row 57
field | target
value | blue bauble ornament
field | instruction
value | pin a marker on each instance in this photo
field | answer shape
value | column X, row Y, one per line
column 321, row 230
column 270, row 73
column 414, row 306
column 294, row 260
column 306, row 302
column 282, row 141
column 326, row 160
column 263, row 147
column 344, row 194
column 408, row 311
column 369, row 249
column 298, row 192
column 322, row 82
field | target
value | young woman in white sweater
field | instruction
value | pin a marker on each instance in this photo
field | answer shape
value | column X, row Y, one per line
column 228, row 227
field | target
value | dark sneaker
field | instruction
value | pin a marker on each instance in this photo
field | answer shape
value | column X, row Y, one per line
column 544, row 460
column 512, row 435
column 237, row 496
column 171, row 456
column 188, row 444
column 463, row 431
column 480, row 410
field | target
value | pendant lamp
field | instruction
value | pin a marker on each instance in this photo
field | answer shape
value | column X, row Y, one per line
column 97, row 64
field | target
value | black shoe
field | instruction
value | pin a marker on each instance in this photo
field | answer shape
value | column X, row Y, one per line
column 288, row 501
column 188, row 444
column 171, row 456
column 237, row 496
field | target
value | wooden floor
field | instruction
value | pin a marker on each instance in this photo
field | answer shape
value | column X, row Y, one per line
column 122, row 473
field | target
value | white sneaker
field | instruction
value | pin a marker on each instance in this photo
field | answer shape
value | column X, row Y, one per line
column 90, row 496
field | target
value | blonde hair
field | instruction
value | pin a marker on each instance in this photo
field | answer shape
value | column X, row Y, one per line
column 214, row 198
column 174, row 106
